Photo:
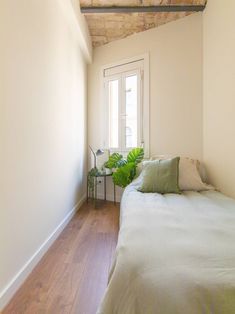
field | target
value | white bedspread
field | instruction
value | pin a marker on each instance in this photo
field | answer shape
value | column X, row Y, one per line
column 175, row 255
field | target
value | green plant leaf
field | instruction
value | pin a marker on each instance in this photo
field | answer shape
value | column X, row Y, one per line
column 115, row 161
column 93, row 172
column 121, row 162
column 124, row 175
column 136, row 155
column 90, row 180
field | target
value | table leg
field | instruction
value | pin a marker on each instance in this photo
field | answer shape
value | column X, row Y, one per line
column 87, row 191
column 105, row 188
column 95, row 190
column 114, row 193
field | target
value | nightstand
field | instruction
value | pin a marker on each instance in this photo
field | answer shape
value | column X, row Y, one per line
column 103, row 175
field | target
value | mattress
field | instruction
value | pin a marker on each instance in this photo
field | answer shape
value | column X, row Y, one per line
column 175, row 255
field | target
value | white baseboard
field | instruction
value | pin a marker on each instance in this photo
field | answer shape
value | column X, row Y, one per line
column 7, row 293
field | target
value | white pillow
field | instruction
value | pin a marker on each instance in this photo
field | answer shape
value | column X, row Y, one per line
column 189, row 176
column 140, row 167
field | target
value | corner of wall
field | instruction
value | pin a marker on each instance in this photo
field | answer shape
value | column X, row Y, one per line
column 74, row 17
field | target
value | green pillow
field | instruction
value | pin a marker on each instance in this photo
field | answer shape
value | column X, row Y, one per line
column 161, row 176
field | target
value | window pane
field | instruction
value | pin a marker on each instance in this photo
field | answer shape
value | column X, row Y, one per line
column 131, row 111
column 113, row 114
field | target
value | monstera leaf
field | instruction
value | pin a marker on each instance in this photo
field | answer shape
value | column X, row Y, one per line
column 125, row 169
column 136, row 155
column 115, row 161
column 124, row 175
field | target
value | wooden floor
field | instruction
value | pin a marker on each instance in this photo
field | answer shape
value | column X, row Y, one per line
column 73, row 274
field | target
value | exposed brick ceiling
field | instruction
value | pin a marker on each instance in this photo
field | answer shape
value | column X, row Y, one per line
column 107, row 27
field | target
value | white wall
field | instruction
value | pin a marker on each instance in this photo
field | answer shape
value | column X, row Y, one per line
column 42, row 127
column 175, row 51
column 219, row 93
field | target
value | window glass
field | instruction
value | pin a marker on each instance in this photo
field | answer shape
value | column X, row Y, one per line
column 124, row 95
column 113, row 113
column 131, row 135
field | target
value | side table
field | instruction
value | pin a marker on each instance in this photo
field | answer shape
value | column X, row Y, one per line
column 103, row 175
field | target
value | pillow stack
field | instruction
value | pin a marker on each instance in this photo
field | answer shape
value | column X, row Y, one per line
column 171, row 175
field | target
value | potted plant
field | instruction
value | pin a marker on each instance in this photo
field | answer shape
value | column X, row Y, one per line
column 124, row 169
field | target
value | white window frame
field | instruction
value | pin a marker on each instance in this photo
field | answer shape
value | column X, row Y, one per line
column 121, row 77
column 143, row 108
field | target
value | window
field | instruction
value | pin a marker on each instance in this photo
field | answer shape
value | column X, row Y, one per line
column 124, row 106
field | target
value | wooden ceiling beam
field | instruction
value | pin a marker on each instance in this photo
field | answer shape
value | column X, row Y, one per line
column 142, row 9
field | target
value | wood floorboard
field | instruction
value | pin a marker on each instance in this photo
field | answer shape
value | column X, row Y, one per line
column 72, row 276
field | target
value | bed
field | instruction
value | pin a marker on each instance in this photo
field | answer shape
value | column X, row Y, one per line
column 175, row 255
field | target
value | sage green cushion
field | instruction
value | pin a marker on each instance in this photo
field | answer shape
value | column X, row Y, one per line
column 160, row 176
